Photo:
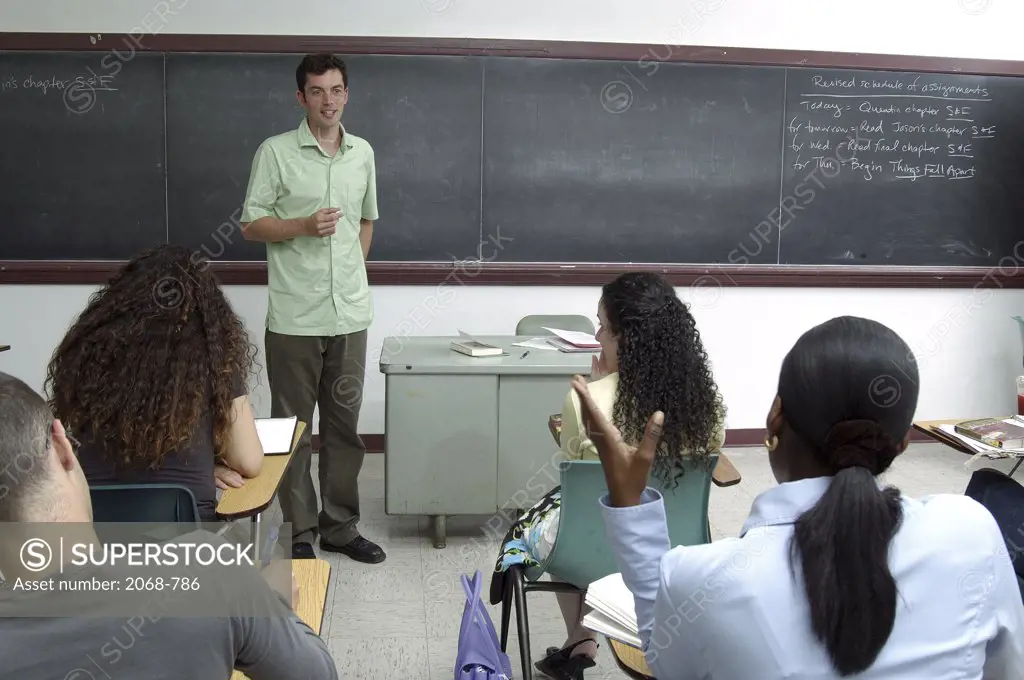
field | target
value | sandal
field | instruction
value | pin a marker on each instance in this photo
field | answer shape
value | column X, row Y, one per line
column 559, row 665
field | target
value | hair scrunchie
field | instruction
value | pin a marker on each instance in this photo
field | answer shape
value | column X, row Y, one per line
column 859, row 443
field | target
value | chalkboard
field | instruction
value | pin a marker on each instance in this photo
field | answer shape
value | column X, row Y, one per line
column 902, row 168
column 525, row 159
column 593, row 161
column 421, row 115
column 82, row 167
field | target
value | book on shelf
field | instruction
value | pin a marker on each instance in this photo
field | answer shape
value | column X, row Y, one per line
column 1000, row 433
column 613, row 613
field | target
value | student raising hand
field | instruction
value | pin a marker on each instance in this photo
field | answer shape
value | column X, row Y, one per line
column 626, row 468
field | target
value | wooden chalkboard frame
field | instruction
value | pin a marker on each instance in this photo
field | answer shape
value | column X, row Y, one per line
column 546, row 274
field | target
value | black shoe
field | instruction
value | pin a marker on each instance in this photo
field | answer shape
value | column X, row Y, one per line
column 359, row 549
column 303, row 551
column 558, row 663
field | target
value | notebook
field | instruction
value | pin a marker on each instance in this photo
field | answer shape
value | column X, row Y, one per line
column 613, row 613
column 276, row 434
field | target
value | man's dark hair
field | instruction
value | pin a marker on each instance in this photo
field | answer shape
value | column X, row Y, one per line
column 25, row 421
column 319, row 64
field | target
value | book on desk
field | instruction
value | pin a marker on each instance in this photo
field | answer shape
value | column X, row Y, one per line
column 276, row 434
column 474, row 348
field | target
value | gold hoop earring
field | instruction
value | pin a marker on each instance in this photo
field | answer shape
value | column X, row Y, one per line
column 771, row 442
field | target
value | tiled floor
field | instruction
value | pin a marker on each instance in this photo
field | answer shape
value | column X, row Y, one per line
column 400, row 619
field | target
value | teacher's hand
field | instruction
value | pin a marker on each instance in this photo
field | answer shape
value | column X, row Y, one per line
column 323, row 222
column 626, row 468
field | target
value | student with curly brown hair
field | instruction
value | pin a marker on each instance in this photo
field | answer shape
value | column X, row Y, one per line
column 652, row 359
column 151, row 380
column 248, row 622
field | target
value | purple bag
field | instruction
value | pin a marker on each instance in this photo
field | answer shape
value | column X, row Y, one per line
column 480, row 656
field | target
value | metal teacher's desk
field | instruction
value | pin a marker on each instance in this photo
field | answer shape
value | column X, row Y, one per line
column 469, row 435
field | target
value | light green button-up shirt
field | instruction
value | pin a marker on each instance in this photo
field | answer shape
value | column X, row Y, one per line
column 317, row 285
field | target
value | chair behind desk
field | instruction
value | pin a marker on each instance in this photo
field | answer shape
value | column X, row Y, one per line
column 156, row 504
column 534, row 324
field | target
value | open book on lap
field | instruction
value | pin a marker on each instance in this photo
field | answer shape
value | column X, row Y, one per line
column 613, row 612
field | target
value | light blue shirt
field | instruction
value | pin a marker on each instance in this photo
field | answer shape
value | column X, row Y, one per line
column 731, row 610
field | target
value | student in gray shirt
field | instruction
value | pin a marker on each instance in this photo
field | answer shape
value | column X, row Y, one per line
column 42, row 482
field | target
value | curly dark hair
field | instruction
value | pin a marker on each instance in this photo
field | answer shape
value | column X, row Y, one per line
column 662, row 367
column 155, row 350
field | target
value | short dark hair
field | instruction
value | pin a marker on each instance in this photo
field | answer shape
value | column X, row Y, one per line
column 319, row 64
column 25, row 421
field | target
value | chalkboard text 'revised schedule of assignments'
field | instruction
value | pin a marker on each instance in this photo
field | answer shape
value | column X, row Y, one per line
column 901, row 168
column 522, row 159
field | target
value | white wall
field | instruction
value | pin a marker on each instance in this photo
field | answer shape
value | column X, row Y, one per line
column 962, row 28
column 968, row 348
column 967, row 345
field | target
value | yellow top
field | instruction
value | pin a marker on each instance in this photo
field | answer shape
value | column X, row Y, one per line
column 574, row 442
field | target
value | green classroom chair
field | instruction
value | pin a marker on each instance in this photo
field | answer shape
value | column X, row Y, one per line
column 581, row 554
column 534, row 324
column 143, row 511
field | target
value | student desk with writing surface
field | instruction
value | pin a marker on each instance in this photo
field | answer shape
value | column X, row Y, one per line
column 314, row 577
column 630, row 659
column 258, row 493
column 468, row 435
column 931, row 428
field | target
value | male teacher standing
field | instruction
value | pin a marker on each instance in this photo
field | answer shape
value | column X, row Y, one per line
column 312, row 198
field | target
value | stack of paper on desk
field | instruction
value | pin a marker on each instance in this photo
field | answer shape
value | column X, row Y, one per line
column 276, row 434
column 614, row 614
column 535, row 343
column 573, row 341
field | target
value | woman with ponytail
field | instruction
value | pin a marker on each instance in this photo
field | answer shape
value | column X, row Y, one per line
column 834, row 575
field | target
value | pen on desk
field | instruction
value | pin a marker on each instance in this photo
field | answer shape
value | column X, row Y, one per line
column 524, row 354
